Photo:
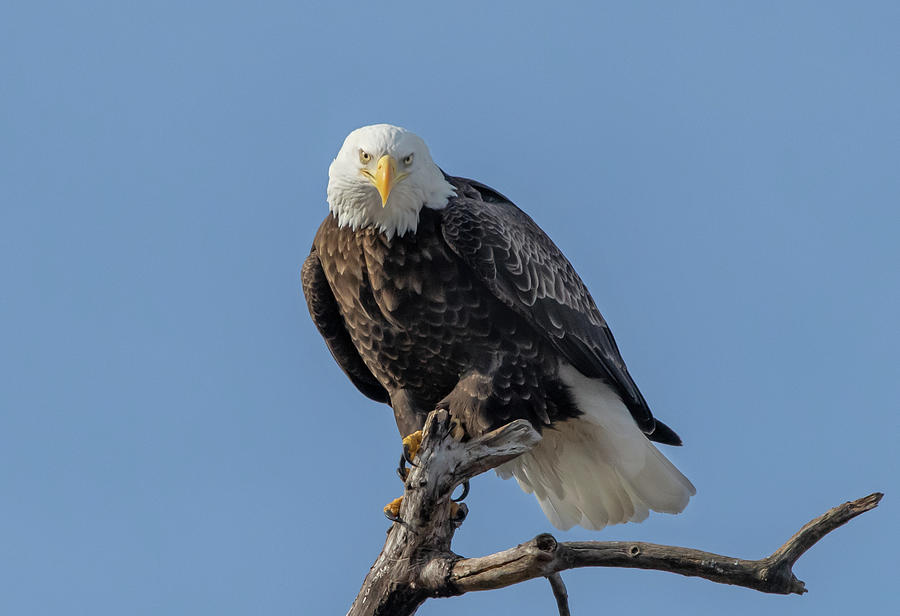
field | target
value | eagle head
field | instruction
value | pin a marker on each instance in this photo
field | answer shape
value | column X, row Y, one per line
column 382, row 177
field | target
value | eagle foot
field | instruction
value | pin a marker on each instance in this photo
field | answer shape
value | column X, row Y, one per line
column 411, row 444
column 458, row 511
column 392, row 509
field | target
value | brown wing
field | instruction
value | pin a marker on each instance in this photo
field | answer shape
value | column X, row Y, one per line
column 325, row 314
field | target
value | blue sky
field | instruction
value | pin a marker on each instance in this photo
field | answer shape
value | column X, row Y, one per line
column 174, row 437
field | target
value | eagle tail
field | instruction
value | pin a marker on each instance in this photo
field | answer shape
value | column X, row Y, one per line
column 598, row 468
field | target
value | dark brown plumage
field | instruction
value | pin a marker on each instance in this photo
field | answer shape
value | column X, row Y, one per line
column 471, row 312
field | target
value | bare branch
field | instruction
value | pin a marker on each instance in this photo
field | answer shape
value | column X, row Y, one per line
column 807, row 536
column 416, row 559
column 559, row 591
column 543, row 556
column 417, row 563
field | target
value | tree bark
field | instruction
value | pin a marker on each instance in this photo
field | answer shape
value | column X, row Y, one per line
column 417, row 563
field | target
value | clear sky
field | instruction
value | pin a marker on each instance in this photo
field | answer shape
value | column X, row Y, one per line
column 174, row 436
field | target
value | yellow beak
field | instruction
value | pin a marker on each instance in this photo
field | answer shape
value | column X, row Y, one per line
column 385, row 175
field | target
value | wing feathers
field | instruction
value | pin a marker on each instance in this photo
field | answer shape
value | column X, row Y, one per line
column 325, row 314
column 519, row 264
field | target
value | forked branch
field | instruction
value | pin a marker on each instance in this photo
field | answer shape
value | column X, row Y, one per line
column 416, row 562
column 543, row 556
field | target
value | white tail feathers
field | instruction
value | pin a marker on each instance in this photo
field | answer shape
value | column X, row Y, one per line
column 600, row 468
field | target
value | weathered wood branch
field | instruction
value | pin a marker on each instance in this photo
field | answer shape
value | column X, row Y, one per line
column 416, row 560
column 543, row 556
column 560, row 593
column 417, row 563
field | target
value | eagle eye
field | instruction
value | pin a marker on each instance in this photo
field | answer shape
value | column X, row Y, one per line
column 364, row 157
column 408, row 160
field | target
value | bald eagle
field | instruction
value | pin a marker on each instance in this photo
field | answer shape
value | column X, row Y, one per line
column 433, row 291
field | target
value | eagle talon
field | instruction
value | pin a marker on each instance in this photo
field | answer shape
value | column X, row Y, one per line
column 406, row 458
column 402, row 471
column 465, row 492
column 411, row 444
column 392, row 509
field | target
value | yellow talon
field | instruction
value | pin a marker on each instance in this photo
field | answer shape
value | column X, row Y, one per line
column 411, row 445
column 392, row 509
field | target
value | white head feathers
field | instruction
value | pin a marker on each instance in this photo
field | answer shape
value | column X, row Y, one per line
column 382, row 177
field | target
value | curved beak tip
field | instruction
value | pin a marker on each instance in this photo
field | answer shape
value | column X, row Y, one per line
column 385, row 173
